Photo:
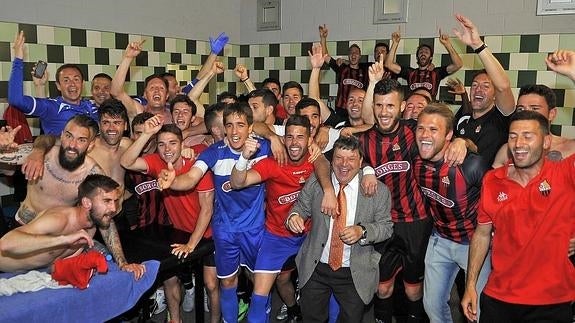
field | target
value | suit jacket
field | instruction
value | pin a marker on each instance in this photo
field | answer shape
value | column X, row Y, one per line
column 374, row 215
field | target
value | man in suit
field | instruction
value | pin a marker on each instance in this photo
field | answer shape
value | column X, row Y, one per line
column 338, row 256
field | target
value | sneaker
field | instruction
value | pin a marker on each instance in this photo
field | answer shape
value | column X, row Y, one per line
column 294, row 314
column 282, row 313
column 189, row 300
column 242, row 309
column 159, row 302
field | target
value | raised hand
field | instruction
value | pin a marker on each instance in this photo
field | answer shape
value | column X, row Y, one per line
column 166, row 177
column 455, row 86
column 7, row 135
column 39, row 81
column 443, row 38
column 396, row 35
column 468, row 34
column 563, row 62
column 323, row 31
column 153, row 125
column 134, row 49
column 316, row 56
column 250, row 147
column 376, row 71
column 218, row 44
column 18, row 45
column 241, row 72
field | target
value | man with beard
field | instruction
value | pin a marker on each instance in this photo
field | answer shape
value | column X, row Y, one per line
column 423, row 76
column 283, row 186
column 491, row 98
column 62, row 231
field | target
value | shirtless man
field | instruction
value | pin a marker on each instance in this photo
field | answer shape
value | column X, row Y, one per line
column 63, row 231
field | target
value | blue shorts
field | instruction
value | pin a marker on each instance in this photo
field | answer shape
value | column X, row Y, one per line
column 275, row 251
column 236, row 248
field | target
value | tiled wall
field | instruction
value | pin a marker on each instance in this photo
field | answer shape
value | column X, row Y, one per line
column 95, row 52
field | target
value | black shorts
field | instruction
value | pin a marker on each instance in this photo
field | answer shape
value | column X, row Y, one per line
column 494, row 311
column 405, row 250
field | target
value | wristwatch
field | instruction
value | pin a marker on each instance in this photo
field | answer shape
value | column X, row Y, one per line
column 363, row 232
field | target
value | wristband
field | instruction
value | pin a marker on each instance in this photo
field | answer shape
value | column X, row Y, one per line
column 247, row 78
column 480, row 48
column 242, row 164
column 368, row 170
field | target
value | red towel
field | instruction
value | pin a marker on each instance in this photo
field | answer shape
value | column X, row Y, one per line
column 78, row 270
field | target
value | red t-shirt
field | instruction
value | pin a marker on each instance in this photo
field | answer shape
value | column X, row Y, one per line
column 532, row 227
column 282, row 189
column 183, row 206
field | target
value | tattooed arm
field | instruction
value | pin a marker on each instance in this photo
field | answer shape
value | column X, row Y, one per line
column 112, row 241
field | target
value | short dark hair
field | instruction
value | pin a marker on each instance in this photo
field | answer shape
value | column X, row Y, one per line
column 212, row 113
column 102, row 76
column 306, row 102
column 227, row 95
column 386, row 86
column 542, row 90
column 423, row 46
column 381, row 44
column 348, row 143
column 168, row 74
column 153, row 77
column 171, row 128
column 442, row 110
column 113, row 108
column 93, row 182
column 268, row 97
column 185, row 99
column 531, row 115
column 140, row 118
column 292, row 85
column 240, row 109
column 356, row 46
column 272, row 80
column 86, row 122
column 427, row 99
column 479, row 72
column 298, row 120
column 65, row 66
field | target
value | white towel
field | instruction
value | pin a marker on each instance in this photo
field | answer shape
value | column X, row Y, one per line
column 29, row 282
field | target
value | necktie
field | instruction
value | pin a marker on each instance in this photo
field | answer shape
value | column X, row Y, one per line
column 336, row 248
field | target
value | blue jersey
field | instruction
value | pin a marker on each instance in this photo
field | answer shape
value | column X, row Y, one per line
column 234, row 210
column 53, row 113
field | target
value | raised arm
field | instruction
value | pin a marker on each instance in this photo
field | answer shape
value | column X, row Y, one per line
column 117, row 88
column 40, row 83
column 469, row 35
column 131, row 159
column 323, row 32
column 562, row 61
column 242, row 74
column 390, row 63
column 16, row 95
column 316, row 58
column 376, row 72
column 241, row 176
column 216, row 47
column 456, row 61
column 215, row 68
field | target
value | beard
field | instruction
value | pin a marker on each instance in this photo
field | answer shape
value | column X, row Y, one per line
column 70, row 165
column 100, row 224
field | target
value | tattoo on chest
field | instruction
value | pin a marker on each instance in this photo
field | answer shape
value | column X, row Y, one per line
column 60, row 177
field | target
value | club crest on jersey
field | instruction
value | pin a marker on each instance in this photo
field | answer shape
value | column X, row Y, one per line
column 478, row 129
column 545, row 188
column 445, row 181
column 502, row 197
column 462, row 131
column 226, row 186
column 302, row 180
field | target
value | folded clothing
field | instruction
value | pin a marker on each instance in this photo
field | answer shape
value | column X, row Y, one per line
column 78, row 270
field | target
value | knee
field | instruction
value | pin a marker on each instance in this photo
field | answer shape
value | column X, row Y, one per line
column 283, row 278
column 414, row 292
column 172, row 282
column 229, row 282
column 385, row 289
column 211, row 285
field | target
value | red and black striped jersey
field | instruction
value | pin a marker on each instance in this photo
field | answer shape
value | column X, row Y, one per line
column 424, row 78
column 452, row 194
column 392, row 155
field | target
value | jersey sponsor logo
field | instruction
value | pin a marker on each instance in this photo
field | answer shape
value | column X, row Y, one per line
column 227, row 186
column 298, row 172
column 436, row 196
column 146, row 187
column 502, row 197
column 353, row 82
column 425, row 85
column 396, row 147
column 288, row 198
column 392, row 167
column 445, row 181
column 545, row 188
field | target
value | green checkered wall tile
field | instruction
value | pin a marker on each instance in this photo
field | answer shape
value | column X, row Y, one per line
column 568, row 131
column 477, row 63
column 564, row 116
column 170, row 45
column 285, row 50
column 548, row 78
column 518, row 61
column 537, row 61
column 181, row 46
column 109, row 69
column 512, row 75
column 115, row 56
column 367, row 47
column 548, row 43
column 86, row 90
column 295, row 49
column 36, row 52
column 302, row 63
column 195, row 60
column 468, row 61
column 202, row 48
column 408, row 46
column 45, row 34
column 154, row 59
column 457, row 45
column 72, row 55
column 567, row 41
column 108, row 40
column 510, row 44
column 327, row 77
column 563, row 82
column 93, row 38
column 278, row 63
column 8, row 31
column 569, row 98
column 494, row 43
column 270, row 63
column 331, row 47
column 264, row 50
column 131, row 88
column 165, row 58
column 62, row 36
column 5, row 68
